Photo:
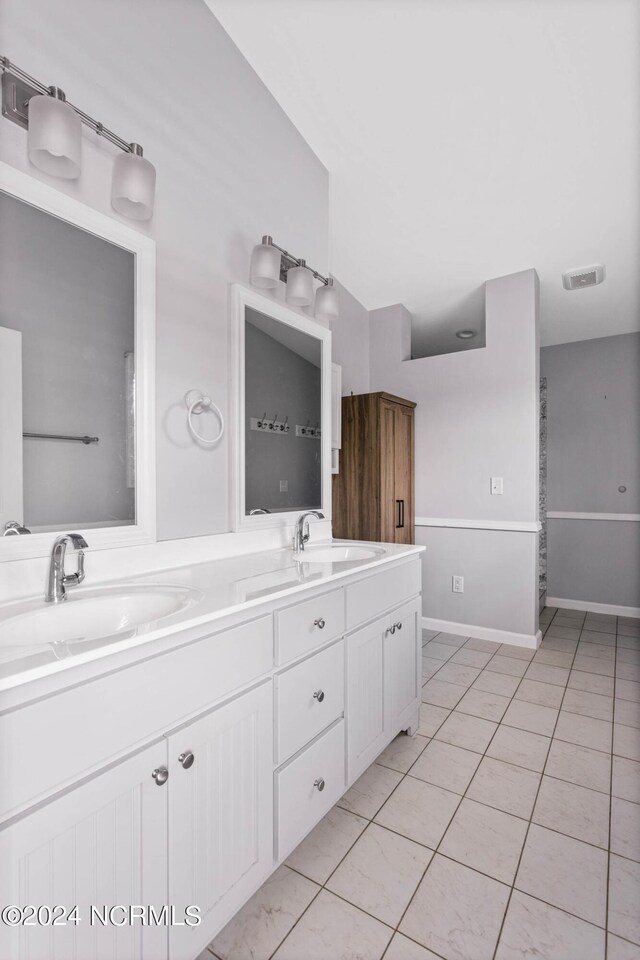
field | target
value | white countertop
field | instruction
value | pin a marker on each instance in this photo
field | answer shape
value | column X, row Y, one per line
column 212, row 590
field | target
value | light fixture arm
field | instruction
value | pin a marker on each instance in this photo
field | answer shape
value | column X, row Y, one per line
column 6, row 66
column 296, row 262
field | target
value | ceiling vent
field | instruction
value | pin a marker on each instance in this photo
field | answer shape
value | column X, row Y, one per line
column 583, row 277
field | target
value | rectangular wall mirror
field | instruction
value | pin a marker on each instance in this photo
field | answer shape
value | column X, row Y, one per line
column 283, row 455
column 76, row 368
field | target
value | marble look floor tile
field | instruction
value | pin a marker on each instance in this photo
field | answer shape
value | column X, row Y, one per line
column 505, row 786
column 380, row 873
column 500, row 683
column 553, row 658
column 442, row 694
column 483, row 646
column 429, row 634
column 563, row 633
column 548, row 673
column 601, row 650
column 458, row 673
column 517, row 653
column 471, row 733
column 452, row 639
column 626, row 742
column 537, row 931
column 628, row 671
column 519, row 747
column 631, row 643
column 508, row 665
column 567, row 873
column 600, row 624
column 446, row 766
column 486, row 839
column 556, row 643
column 322, row 850
column 430, row 667
column 585, row 731
column 456, row 912
column 628, row 654
column 593, row 665
column 536, row 691
column 419, row 811
column 595, row 636
column 471, row 658
column 259, row 926
column 591, row 683
column 588, row 704
column 431, row 717
column 573, row 810
column 402, row 752
column 370, row 791
column 401, row 948
column 588, row 768
column 437, row 650
column 336, row 929
column 531, row 716
column 628, row 690
column 628, row 629
column 624, row 897
column 626, row 779
column 625, row 828
column 478, row 703
column 618, row 949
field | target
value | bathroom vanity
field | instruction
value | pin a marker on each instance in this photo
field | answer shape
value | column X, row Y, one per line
column 182, row 762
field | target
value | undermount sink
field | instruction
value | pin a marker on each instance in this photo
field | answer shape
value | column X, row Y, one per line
column 337, row 553
column 91, row 614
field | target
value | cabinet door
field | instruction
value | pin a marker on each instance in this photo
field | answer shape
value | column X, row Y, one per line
column 366, row 726
column 220, row 814
column 403, row 649
column 389, row 509
column 103, row 843
column 403, row 494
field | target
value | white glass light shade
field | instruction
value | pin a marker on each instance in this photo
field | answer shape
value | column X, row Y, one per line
column 265, row 266
column 54, row 136
column 133, row 186
column 327, row 307
column 299, row 286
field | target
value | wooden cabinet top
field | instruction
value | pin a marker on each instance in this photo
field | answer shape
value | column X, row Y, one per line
column 384, row 396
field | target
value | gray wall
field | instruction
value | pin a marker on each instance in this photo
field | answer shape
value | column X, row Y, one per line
column 476, row 417
column 71, row 295
column 593, row 411
column 231, row 167
column 350, row 343
column 279, row 381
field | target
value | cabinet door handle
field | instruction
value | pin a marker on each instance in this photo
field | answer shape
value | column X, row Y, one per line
column 186, row 759
column 399, row 625
column 319, row 783
column 401, row 513
column 160, row 775
column 392, row 628
column 319, row 696
column 320, row 623
column 398, row 514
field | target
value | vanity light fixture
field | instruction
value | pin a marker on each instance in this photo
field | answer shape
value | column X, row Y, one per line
column 466, row 334
column 54, row 135
column 271, row 263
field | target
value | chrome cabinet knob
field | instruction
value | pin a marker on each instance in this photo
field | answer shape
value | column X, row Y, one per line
column 320, row 623
column 160, row 775
column 186, row 759
column 319, row 783
column 399, row 625
column 319, row 696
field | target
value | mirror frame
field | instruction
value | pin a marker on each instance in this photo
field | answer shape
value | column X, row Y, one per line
column 60, row 205
column 242, row 297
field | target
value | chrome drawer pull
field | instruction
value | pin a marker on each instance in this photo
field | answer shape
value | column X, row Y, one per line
column 319, row 696
column 186, row 759
column 160, row 775
column 319, row 783
column 320, row 623
column 399, row 625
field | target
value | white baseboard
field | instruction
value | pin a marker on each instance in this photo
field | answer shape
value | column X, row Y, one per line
column 611, row 608
column 483, row 633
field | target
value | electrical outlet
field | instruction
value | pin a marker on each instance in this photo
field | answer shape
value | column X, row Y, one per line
column 284, row 486
column 457, row 584
column 496, row 486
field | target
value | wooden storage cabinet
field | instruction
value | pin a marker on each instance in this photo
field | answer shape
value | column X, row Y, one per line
column 373, row 495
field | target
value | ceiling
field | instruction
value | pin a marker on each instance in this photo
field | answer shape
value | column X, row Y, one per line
column 466, row 139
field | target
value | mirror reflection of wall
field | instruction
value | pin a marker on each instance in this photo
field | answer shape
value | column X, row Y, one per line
column 283, row 380
column 71, row 297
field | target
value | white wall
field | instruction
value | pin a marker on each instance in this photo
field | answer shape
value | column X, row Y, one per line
column 476, row 417
column 593, row 424
column 350, row 343
column 230, row 167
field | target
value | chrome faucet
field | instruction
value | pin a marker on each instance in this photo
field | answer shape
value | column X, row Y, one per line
column 301, row 535
column 58, row 581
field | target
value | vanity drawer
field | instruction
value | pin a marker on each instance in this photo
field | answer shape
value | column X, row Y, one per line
column 304, row 626
column 309, row 697
column 300, row 802
column 368, row 598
